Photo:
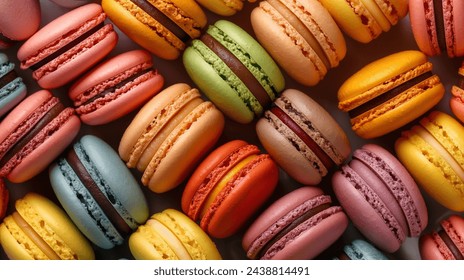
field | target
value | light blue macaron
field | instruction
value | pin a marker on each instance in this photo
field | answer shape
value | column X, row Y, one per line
column 12, row 88
column 361, row 250
column 98, row 192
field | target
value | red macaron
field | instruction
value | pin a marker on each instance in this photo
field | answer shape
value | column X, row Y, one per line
column 446, row 242
column 228, row 187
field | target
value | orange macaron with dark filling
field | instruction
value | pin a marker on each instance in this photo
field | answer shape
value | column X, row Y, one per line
column 228, row 187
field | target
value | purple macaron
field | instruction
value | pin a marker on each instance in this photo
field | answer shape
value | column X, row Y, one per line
column 380, row 197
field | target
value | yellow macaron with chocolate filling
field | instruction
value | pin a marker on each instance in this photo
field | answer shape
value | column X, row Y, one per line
column 171, row 235
column 39, row 230
column 389, row 93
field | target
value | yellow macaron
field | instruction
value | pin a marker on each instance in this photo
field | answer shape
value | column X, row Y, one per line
column 433, row 152
column 40, row 230
column 171, row 235
column 389, row 93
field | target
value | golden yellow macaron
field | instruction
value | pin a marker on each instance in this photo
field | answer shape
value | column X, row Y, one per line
column 223, row 7
column 171, row 235
column 40, row 230
column 389, row 93
column 433, row 152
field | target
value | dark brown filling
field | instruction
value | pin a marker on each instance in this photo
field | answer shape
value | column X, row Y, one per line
column 67, row 47
column 299, row 220
column 371, row 104
column 8, row 78
column 239, row 69
column 112, row 214
column 41, row 124
column 117, row 86
column 163, row 19
column 461, row 82
column 451, row 246
column 439, row 23
column 317, row 150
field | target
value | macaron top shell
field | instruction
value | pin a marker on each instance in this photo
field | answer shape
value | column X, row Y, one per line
column 19, row 19
column 54, row 231
column 361, row 250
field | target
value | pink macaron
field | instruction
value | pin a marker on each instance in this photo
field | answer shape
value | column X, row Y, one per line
column 438, row 26
column 116, row 87
column 380, row 197
column 18, row 20
column 33, row 134
column 68, row 46
column 299, row 225
column 446, row 242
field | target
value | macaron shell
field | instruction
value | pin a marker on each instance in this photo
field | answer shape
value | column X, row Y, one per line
column 14, row 98
column 421, row 21
column 235, row 206
column 371, row 224
column 277, row 210
column 457, row 103
column 187, row 149
column 299, row 60
column 361, row 250
column 432, row 247
column 458, row 27
column 223, row 7
column 19, row 19
column 70, row 3
column 39, row 159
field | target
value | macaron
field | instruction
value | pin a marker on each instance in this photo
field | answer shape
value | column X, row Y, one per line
column 68, row 46
column 299, row 225
column 171, row 235
column 234, row 71
column 18, row 20
column 446, row 242
column 389, row 93
column 12, row 87
column 438, row 26
column 33, row 134
column 433, row 152
column 223, row 7
column 39, row 230
column 301, row 36
column 116, row 87
column 162, row 27
column 98, row 192
column 457, row 99
column 365, row 20
column 170, row 135
column 359, row 250
column 302, row 137
column 228, row 187
column 380, row 197
column 70, row 3
column 4, row 198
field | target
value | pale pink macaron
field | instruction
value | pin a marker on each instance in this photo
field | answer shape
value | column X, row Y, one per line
column 299, row 225
column 18, row 20
column 116, row 87
column 68, row 46
column 380, row 197
column 33, row 134
column 438, row 26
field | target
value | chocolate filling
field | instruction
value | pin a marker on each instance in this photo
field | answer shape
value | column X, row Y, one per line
column 439, row 23
column 299, row 220
column 163, row 19
column 117, row 86
column 238, row 68
column 461, row 82
column 8, row 78
column 41, row 124
column 388, row 95
column 97, row 194
column 66, row 47
column 453, row 248
column 317, row 150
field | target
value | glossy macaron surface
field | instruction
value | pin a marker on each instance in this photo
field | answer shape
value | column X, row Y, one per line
column 39, row 230
column 380, row 197
column 18, row 20
column 228, row 187
column 98, row 192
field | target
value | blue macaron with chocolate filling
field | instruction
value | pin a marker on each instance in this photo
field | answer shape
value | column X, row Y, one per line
column 98, row 192
column 12, row 87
